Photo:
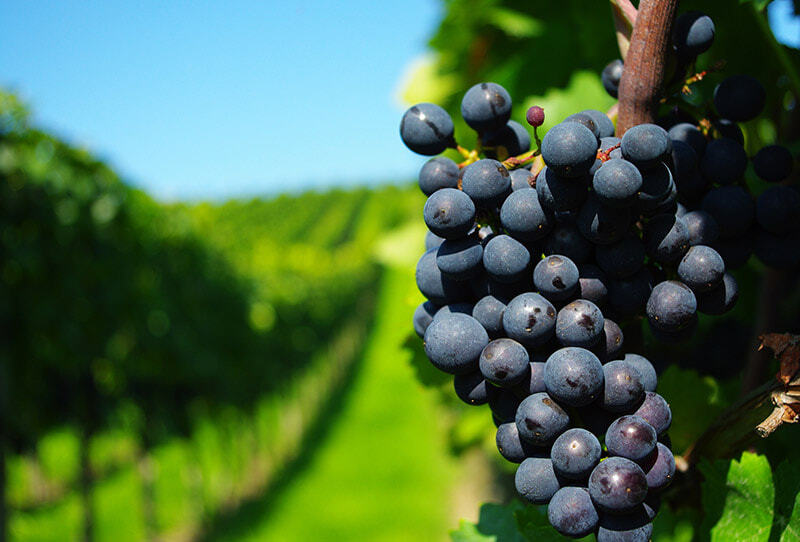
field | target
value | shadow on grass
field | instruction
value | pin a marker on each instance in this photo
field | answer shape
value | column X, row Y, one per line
column 250, row 513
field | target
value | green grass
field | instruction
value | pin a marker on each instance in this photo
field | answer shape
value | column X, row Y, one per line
column 381, row 472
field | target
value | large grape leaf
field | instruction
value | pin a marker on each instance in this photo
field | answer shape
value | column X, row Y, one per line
column 786, row 522
column 738, row 499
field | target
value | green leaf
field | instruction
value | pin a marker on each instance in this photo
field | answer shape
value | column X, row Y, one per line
column 496, row 523
column 787, row 502
column 695, row 401
column 515, row 24
column 738, row 498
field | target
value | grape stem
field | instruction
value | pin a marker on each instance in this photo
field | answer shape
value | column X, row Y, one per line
column 758, row 414
column 643, row 76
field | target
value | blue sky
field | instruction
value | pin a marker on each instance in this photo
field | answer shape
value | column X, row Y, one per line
column 209, row 100
column 196, row 99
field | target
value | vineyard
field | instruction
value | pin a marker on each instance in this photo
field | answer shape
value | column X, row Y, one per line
column 210, row 344
column 307, row 366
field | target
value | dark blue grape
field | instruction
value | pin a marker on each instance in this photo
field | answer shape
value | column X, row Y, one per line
column 540, row 419
column 593, row 284
column 535, row 383
column 601, row 224
column 645, row 145
column 692, row 34
column 472, row 388
column 460, row 259
column 504, row 404
column 504, row 362
column 660, row 468
column 701, row 268
column 672, row 306
column 739, row 98
column 732, row 208
column 657, row 185
column 666, row 238
column 486, row 107
column 622, row 389
column 432, row 240
column 703, row 229
column 506, row 259
column 778, row 209
column 523, row 217
column 521, row 178
column 489, row 312
column 690, row 135
column 573, row 376
column 560, row 194
column 621, row 259
column 728, row 128
column 461, row 308
column 572, row 513
column 646, row 370
column 556, row 277
column 773, row 163
column 487, row 182
column 611, row 341
column 439, row 172
column 585, row 120
column 611, row 76
column 510, row 140
column 536, row 481
column 575, row 453
column 655, row 410
column 423, row 316
column 449, row 213
column 631, row 437
column 604, row 124
column 617, row 485
column 579, row 323
column 635, row 526
column 721, row 299
column 689, row 183
column 627, row 297
column 617, row 183
column 511, row 447
column 435, row 286
column 569, row 149
column 530, row 319
column 454, row 343
column 777, row 251
column 427, row 129
column 565, row 239
column 724, row 161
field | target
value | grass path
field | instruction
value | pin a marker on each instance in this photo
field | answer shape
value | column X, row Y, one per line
column 382, row 472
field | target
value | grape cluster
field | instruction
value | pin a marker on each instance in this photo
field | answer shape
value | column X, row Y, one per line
column 535, row 257
column 709, row 162
column 524, row 271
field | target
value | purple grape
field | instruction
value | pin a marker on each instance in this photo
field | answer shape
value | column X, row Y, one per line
column 617, row 485
column 631, row 437
column 573, row 376
column 579, row 323
column 623, row 390
column 540, row 419
column 504, row 362
column 572, row 513
column 536, row 481
column 575, row 453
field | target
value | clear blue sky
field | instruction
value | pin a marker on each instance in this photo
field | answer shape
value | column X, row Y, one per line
column 202, row 99
column 210, row 100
